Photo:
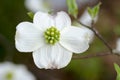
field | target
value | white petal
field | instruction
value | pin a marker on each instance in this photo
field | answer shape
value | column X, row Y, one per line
column 52, row 57
column 21, row 73
column 5, row 67
column 74, row 39
column 28, row 38
column 43, row 20
column 90, row 35
column 36, row 5
column 62, row 20
column 86, row 18
column 118, row 45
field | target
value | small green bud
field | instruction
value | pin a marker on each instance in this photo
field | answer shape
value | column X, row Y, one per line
column 47, row 41
column 72, row 8
column 30, row 14
column 48, row 32
column 45, row 36
column 52, row 33
column 117, row 68
column 56, row 36
column 53, row 29
column 93, row 12
column 48, row 37
column 51, row 41
column 52, row 38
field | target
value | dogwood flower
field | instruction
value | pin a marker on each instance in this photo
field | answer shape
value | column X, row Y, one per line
column 86, row 18
column 52, row 39
column 10, row 71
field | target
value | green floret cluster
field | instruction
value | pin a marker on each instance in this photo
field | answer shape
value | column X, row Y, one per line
column 52, row 35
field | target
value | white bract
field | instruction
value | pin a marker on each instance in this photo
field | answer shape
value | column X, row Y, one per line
column 10, row 71
column 90, row 34
column 52, row 39
column 86, row 18
column 117, row 50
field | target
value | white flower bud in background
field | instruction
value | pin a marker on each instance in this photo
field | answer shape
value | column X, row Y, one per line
column 117, row 49
column 47, row 5
column 86, row 18
column 37, row 5
column 118, row 45
column 11, row 71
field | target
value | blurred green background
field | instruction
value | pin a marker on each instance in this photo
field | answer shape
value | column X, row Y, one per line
column 13, row 12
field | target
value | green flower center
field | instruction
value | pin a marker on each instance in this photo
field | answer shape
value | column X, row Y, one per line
column 9, row 76
column 52, row 35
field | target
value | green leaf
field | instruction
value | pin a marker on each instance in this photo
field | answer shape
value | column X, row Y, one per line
column 30, row 14
column 93, row 12
column 72, row 8
column 118, row 77
column 117, row 68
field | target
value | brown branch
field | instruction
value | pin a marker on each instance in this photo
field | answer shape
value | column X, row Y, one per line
column 93, row 55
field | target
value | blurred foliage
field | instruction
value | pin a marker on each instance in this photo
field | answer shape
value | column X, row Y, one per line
column 117, row 68
column 72, row 8
column 93, row 12
column 81, row 71
column 117, row 30
column 30, row 14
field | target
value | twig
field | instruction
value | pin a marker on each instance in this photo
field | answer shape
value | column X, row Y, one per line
column 92, row 24
column 93, row 55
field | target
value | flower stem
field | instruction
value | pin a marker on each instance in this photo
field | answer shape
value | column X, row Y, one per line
column 93, row 55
